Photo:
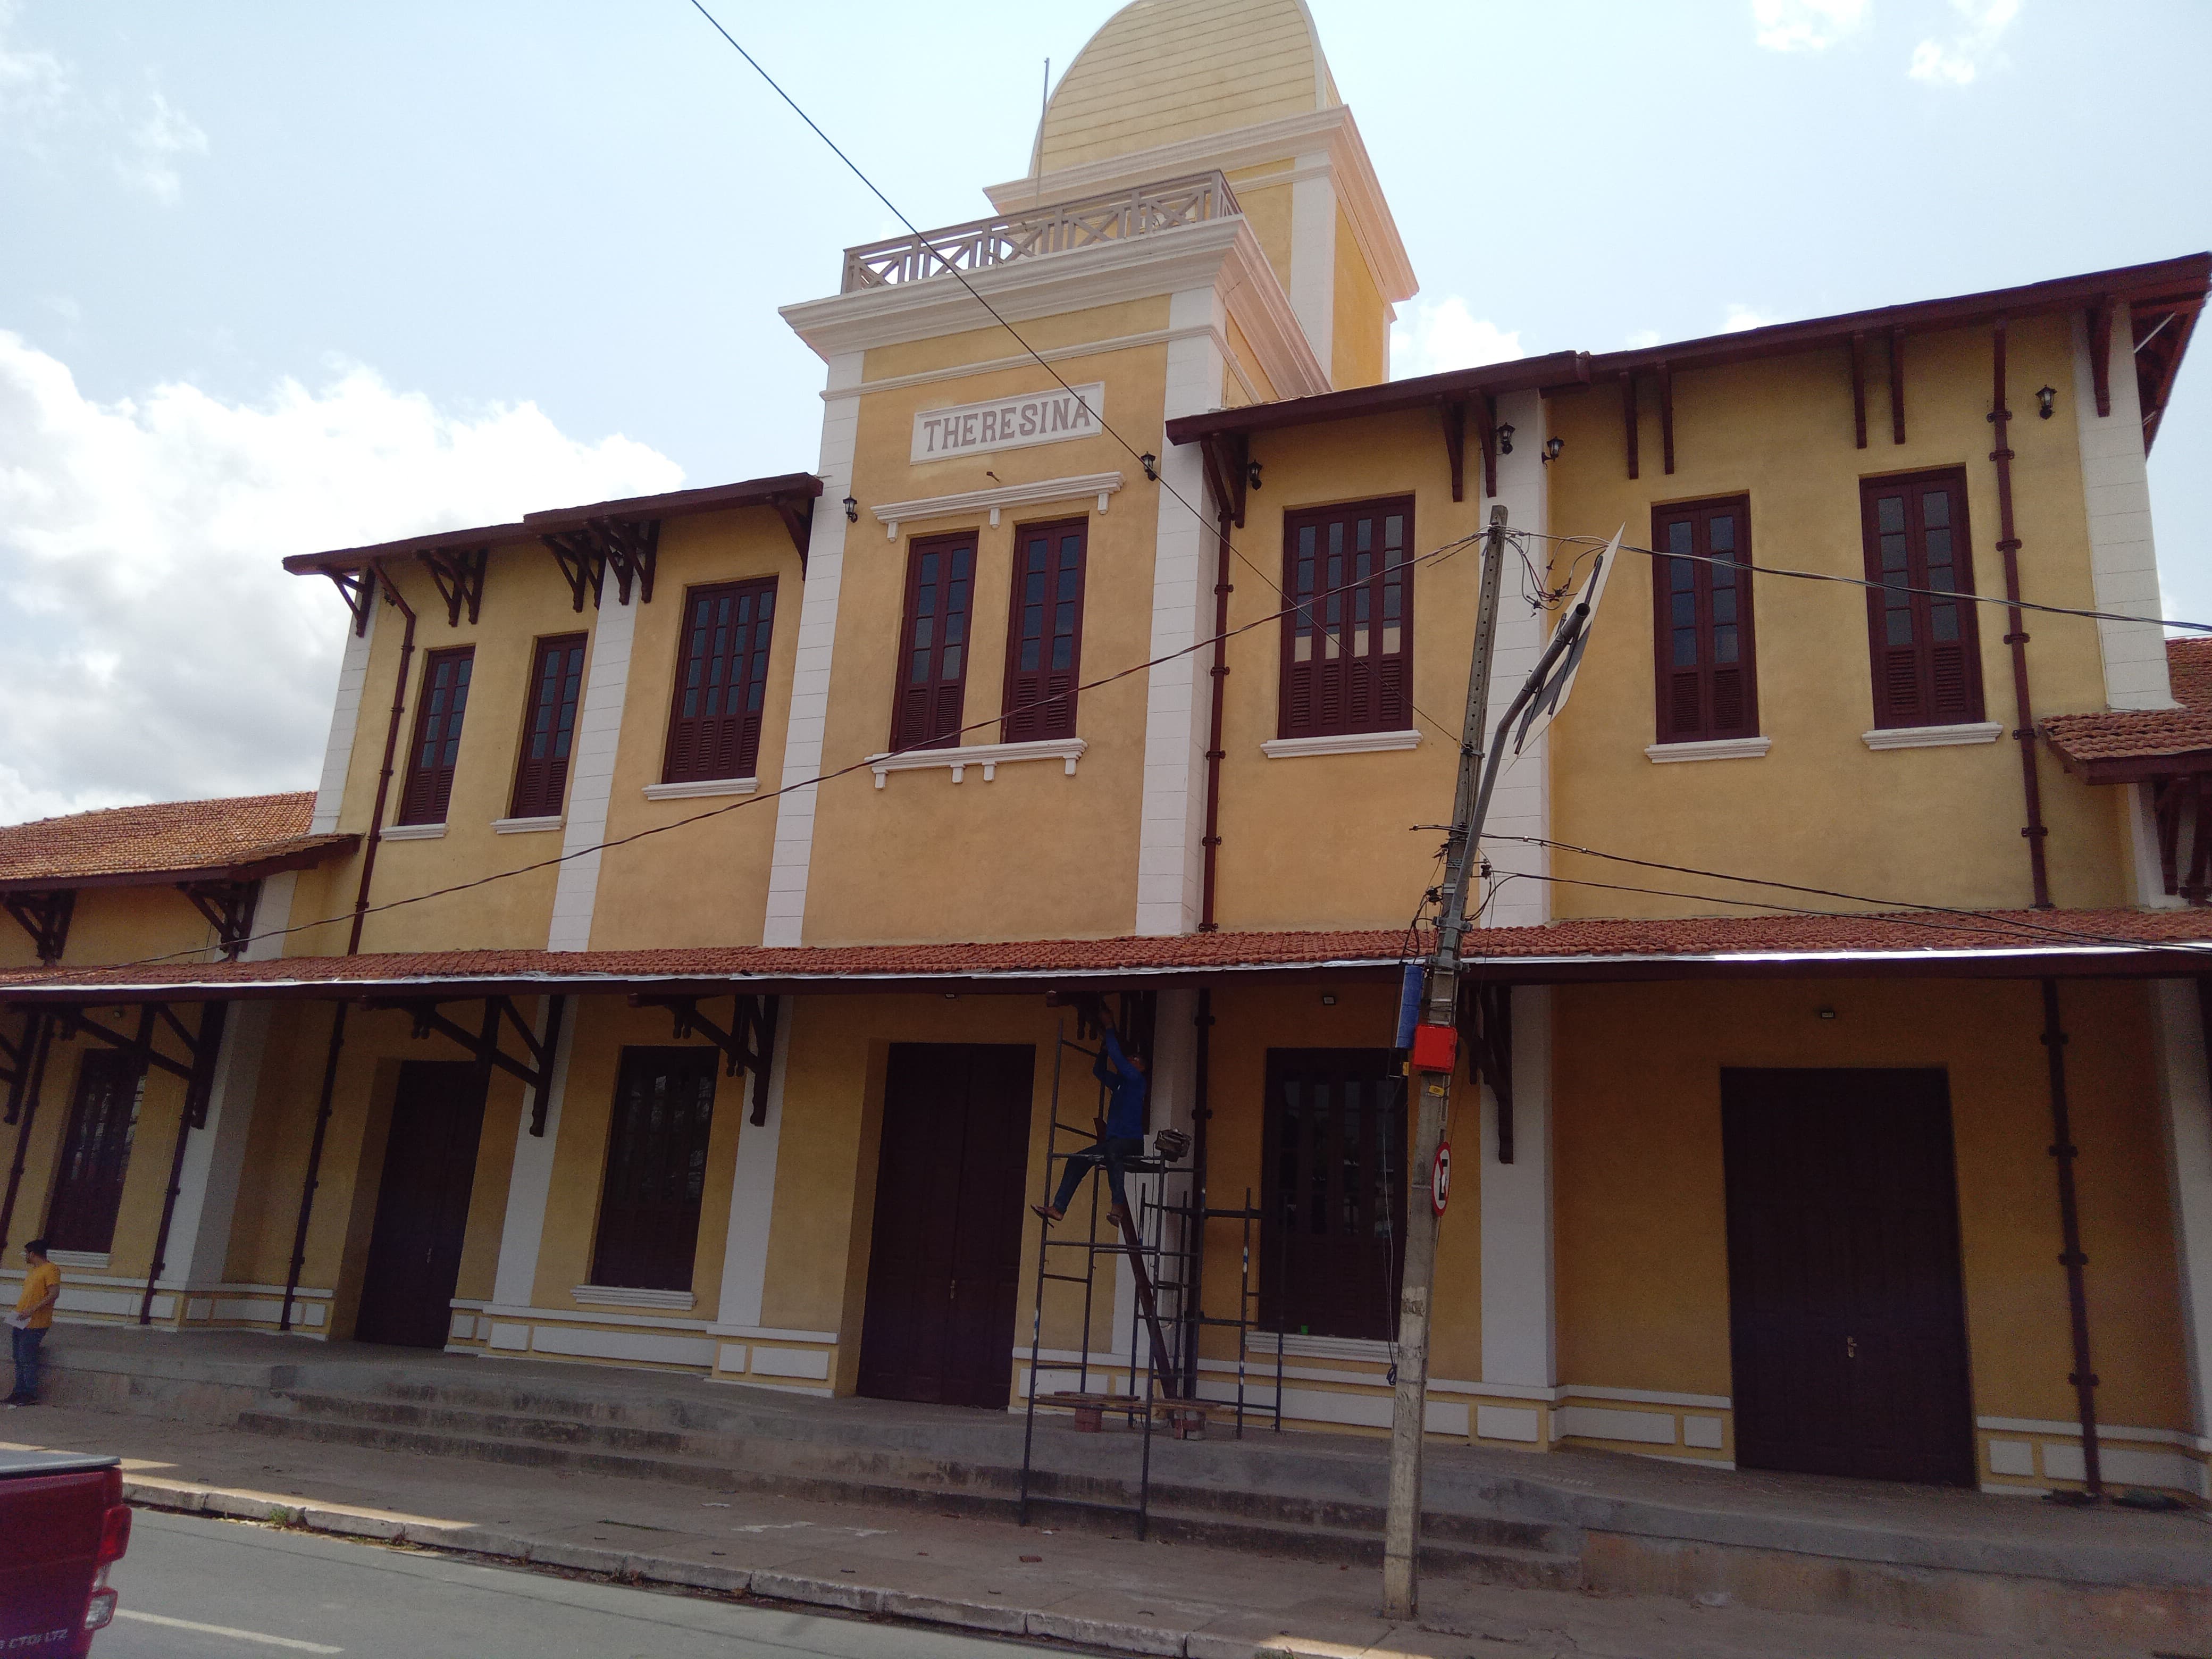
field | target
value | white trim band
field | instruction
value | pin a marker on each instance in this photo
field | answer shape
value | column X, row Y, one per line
column 697, row 788
column 988, row 755
column 1932, row 737
column 1713, row 749
column 524, row 826
column 1339, row 742
column 413, row 831
column 625, row 1296
column 891, row 514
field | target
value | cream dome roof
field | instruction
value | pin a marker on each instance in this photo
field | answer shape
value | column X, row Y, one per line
column 1161, row 70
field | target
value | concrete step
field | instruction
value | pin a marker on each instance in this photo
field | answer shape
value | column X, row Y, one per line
column 1472, row 1548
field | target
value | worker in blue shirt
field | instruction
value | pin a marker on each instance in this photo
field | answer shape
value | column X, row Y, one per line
column 1122, row 1136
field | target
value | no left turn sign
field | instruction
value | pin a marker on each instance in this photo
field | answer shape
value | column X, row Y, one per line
column 1440, row 1178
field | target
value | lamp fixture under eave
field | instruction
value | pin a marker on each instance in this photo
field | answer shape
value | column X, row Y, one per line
column 851, row 510
column 1505, row 438
column 1553, row 446
column 2044, row 397
column 1151, row 463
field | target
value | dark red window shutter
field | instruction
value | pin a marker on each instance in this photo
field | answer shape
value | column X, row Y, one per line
column 933, row 664
column 1926, row 648
column 1702, row 639
column 1348, row 646
column 549, row 727
column 1044, row 633
column 437, row 745
column 721, row 681
column 656, row 1169
column 96, row 1153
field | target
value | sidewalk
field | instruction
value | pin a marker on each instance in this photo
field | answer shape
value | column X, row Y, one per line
column 911, row 1563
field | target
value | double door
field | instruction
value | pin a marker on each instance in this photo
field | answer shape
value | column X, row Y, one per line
column 944, row 1269
column 1847, row 1314
column 422, row 1206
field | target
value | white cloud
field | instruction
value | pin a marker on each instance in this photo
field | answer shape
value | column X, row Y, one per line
column 1741, row 317
column 1955, row 62
column 1644, row 339
column 156, row 649
column 35, row 89
column 1444, row 335
column 1806, row 25
column 155, row 143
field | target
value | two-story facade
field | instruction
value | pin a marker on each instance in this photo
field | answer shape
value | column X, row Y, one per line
column 672, row 965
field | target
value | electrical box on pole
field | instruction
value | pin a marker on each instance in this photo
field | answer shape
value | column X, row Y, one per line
column 1435, row 1041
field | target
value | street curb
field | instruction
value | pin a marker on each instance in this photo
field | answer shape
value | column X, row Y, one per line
column 841, row 1595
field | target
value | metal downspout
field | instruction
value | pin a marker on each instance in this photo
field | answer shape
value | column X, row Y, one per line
column 1214, row 749
column 2016, row 637
column 2063, row 1153
column 1201, row 1115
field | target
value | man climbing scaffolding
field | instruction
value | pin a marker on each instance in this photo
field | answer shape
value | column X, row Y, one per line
column 1121, row 1134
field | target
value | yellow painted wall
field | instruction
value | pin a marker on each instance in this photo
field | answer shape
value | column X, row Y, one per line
column 1640, row 1201
column 1360, row 353
column 638, row 904
column 1266, row 209
column 1927, row 825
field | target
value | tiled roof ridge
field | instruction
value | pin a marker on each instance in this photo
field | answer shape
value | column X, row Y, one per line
column 305, row 798
column 151, row 838
column 2119, row 734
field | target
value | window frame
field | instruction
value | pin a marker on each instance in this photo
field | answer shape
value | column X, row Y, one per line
column 1971, row 707
column 652, row 1247
column 1665, row 671
column 678, row 765
column 532, row 795
column 427, row 794
column 1393, row 706
column 83, row 1209
column 1023, row 717
column 937, row 709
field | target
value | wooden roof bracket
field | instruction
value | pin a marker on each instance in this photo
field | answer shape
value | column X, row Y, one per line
column 1897, row 385
column 196, row 1070
column 797, row 512
column 358, row 589
column 1485, row 1027
column 1667, row 415
column 1628, row 416
column 748, row 1044
column 1858, row 384
column 626, row 549
column 459, row 573
column 1228, row 459
column 228, row 907
column 2100, row 359
column 486, row 1044
column 1454, row 411
column 1484, row 407
column 46, row 917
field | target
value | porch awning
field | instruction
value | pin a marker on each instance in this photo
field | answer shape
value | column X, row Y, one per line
column 1983, row 944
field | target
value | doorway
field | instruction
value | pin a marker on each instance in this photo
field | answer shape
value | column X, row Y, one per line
column 1847, row 1314
column 111, row 1089
column 1333, row 1193
column 422, row 1206
column 944, row 1269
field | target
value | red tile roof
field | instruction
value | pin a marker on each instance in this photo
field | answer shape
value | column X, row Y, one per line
column 2029, row 940
column 2143, row 734
column 165, row 841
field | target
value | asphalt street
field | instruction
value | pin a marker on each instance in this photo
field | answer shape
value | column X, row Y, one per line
column 194, row 1588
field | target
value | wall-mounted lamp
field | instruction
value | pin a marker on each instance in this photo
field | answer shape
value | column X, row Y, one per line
column 1328, row 998
column 1826, row 1013
column 851, row 510
column 1553, row 446
column 1505, row 440
column 1151, row 463
column 1252, row 473
column 2044, row 397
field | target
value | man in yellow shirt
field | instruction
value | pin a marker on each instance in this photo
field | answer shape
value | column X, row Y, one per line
column 33, row 1318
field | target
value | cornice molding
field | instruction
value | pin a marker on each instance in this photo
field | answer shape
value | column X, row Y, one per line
column 1331, row 131
column 891, row 514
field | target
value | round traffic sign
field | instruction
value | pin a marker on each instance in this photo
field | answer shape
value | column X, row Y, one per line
column 1440, row 1178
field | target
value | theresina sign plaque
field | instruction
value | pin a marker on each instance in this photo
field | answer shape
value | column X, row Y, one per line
column 1037, row 417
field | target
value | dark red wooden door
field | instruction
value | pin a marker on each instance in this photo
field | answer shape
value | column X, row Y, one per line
column 1847, row 1317
column 96, row 1153
column 944, row 1269
column 1334, row 1192
column 422, row 1206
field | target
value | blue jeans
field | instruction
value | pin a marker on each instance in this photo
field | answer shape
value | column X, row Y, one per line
column 27, row 1344
column 1113, row 1151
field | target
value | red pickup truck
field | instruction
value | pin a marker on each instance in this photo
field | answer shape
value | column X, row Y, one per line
column 63, row 1523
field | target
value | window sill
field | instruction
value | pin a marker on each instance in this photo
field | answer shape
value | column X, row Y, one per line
column 1932, row 737
column 1339, row 742
column 696, row 788
column 83, row 1261
column 1319, row 1347
column 1713, row 749
column 619, row 1296
column 413, row 831
column 988, row 755
column 524, row 826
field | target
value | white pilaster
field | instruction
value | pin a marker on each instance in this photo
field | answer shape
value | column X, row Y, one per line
column 1313, row 257
column 1172, row 825
column 591, row 773
column 530, row 1182
column 752, row 1192
column 2123, row 557
column 1521, row 803
column 785, row 920
column 2185, row 1093
column 1519, row 1338
column 345, row 720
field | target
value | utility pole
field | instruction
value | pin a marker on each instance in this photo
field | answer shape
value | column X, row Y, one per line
column 1436, row 1039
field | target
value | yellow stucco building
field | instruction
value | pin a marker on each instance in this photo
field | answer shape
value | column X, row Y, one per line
column 675, row 964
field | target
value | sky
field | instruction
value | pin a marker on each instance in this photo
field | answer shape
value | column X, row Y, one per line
column 278, row 279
